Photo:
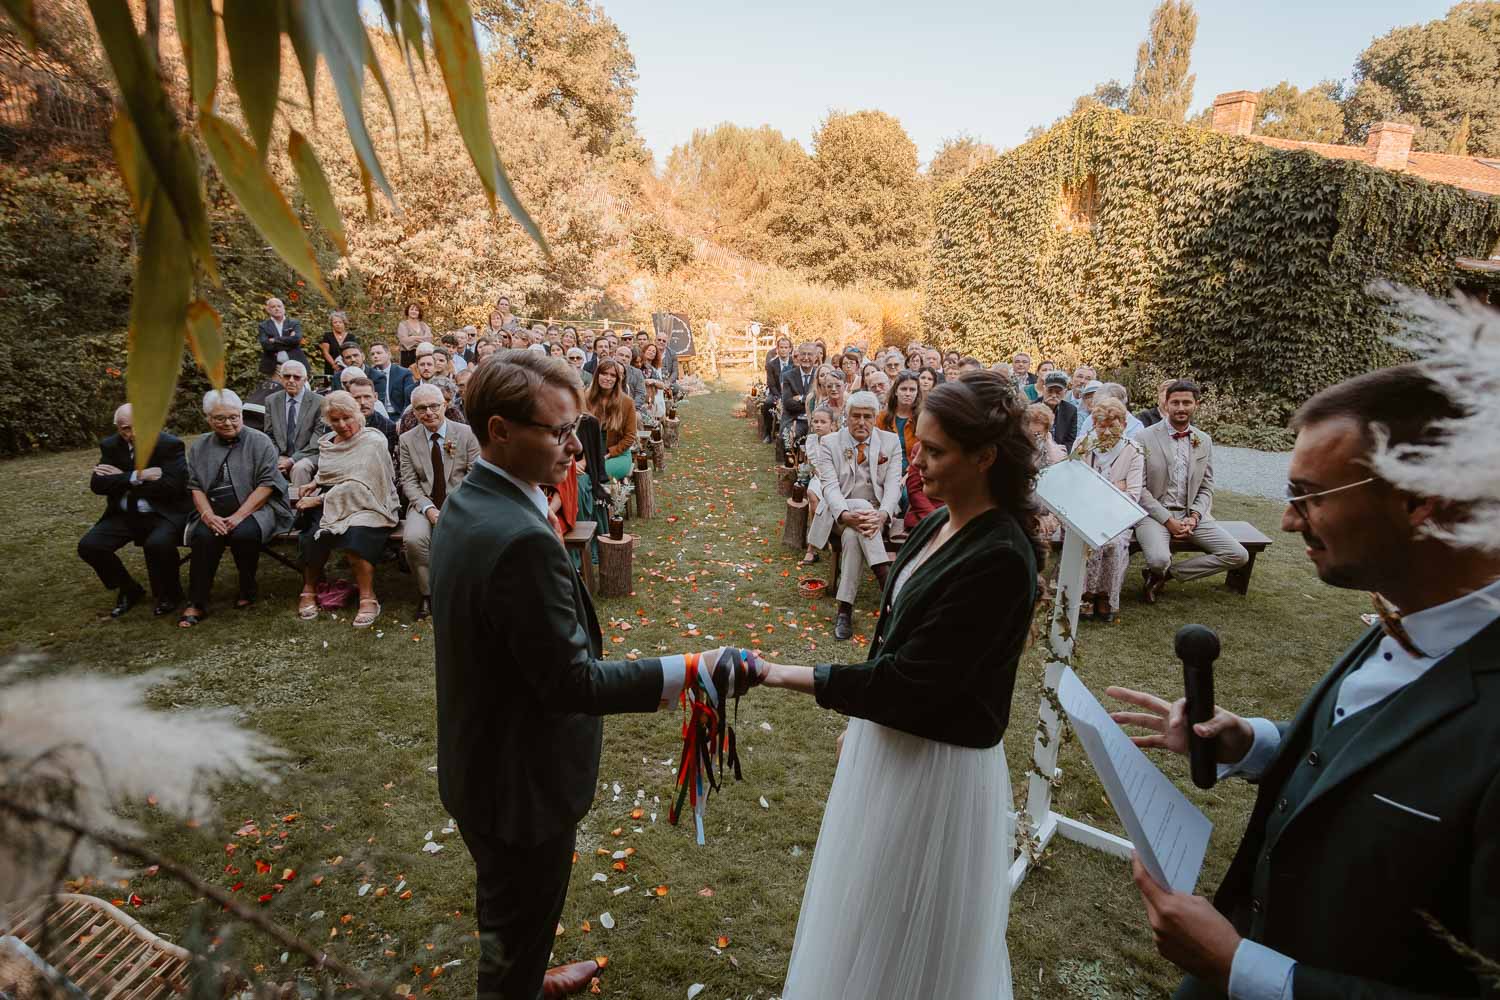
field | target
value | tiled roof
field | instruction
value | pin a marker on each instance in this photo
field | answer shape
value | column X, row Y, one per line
column 1473, row 173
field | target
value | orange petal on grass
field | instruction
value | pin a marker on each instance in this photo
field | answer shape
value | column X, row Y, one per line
column 705, row 892
column 617, row 831
column 618, row 866
column 603, row 961
column 587, row 927
column 723, row 941
column 262, row 867
column 661, row 890
column 630, row 852
column 637, row 813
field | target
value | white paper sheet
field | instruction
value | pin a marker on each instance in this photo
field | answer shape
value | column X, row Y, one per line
column 1169, row 832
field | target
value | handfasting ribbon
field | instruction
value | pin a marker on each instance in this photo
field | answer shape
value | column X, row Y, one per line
column 712, row 678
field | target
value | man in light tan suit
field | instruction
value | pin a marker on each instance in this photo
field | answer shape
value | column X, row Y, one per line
column 436, row 455
column 1179, row 497
column 859, row 469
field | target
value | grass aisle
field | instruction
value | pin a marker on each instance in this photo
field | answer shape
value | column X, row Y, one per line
column 358, row 800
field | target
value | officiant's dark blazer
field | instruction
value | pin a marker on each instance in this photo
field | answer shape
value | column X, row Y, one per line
column 168, row 496
column 520, row 686
column 1405, row 820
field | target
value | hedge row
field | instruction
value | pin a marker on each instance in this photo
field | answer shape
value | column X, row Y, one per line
column 1242, row 265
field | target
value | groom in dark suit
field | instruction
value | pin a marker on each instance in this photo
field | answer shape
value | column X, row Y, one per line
column 520, row 685
column 1379, row 803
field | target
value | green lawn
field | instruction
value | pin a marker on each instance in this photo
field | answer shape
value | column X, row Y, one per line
column 355, row 711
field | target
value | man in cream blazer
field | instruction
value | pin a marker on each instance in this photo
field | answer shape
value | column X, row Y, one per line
column 458, row 450
column 1179, row 497
column 859, row 469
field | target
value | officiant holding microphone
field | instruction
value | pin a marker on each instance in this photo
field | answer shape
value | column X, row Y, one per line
column 1379, row 806
column 520, row 683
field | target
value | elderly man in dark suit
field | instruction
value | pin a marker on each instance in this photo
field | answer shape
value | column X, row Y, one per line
column 1378, row 816
column 149, row 508
column 520, row 683
column 777, row 365
column 294, row 422
column 797, row 388
column 280, row 338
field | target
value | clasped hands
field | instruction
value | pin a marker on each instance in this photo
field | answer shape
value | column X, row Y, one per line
column 150, row 475
column 1188, row 930
column 1182, row 528
column 308, row 497
column 866, row 522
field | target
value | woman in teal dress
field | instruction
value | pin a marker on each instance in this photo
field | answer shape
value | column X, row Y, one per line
column 607, row 401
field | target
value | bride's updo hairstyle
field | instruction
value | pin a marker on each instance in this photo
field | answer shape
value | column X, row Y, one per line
column 982, row 409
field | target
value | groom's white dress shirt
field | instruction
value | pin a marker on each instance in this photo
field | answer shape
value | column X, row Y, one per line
column 1260, row 973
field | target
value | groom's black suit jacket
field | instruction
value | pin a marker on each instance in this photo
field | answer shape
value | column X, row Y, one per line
column 1350, row 875
column 520, row 686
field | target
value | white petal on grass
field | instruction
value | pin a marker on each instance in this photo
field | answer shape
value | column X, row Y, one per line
column 606, row 921
column 432, row 847
column 694, row 990
column 600, row 877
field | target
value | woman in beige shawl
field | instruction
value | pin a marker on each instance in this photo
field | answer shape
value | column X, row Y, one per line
column 356, row 489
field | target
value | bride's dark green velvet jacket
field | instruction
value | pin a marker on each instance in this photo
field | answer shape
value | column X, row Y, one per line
column 943, row 663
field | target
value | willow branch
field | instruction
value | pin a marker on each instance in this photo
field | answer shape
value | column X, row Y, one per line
column 128, row 848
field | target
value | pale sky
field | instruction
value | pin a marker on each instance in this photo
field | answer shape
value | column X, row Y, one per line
column 991, row 69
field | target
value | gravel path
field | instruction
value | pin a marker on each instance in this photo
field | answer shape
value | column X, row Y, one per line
column 1254, row 473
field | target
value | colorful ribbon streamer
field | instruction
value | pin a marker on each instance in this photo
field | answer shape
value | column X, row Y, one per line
column 708, row 741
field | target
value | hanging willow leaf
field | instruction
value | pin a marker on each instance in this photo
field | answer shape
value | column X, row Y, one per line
column 295, row 25
column 199, row 34
column 336, row 31
column 158, row 312
column 166, row 147
column 23, row 15
column 262, row 201
column 458, row 57
column 316, row 190
column 140, row 182
column 253, row 30
column 205, row 333
column 412, row 30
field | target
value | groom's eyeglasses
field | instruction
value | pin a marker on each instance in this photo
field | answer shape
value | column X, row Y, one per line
column 560, row 432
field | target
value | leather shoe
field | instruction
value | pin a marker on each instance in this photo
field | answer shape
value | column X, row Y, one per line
column 129, row 597
column 569, row 979
column 1154, row 584
column 843, row 627
column 424, row 608
column 166, row 606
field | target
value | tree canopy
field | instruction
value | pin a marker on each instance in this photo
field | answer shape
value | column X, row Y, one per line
column 729, row 177
column 1163, row 87
column 1311, row 115
column 857, row 210
column 958, row 157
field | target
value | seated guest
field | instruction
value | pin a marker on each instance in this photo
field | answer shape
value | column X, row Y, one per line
column 358, row 385
column 1156, row 414
column 460, row 380
column 822, row 423
column 576, row 358
column 1002, row 368
column 1082, row 376
column 902, row 405
column 452, row 343
column 569, row 338
column 442, row 359
column 799, row 386
column 970, row 364
column 849, row 369
column 489, row 345
column 927, row 379
column 148, row 508
column 950, row 366
column 866, row 369
column 933, row 358
column 1179, row 498
column 393, row 383
column 860, row 472
column 557, row 350
column 332, row 344
column 655, row 378
column 436, row 455
column 294, row 422
column 880, row 383
column 915, row 359
column 353, row 500
column 1116, row 391
column 607, row 401
column 634, row 382
column 670, row 369
column 280, row 339
column 1034, row 389
column 892, row 364
column 1064, row 413
column 352, row 356
column 1038, row 422
column 832, row 393
column 239, row 501
column 1120, row 460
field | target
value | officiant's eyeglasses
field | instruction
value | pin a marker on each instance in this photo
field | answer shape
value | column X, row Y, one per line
column 559, row 431
column 1298, row 501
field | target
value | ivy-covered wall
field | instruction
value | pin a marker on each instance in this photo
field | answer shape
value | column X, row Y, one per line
column 1209, row 255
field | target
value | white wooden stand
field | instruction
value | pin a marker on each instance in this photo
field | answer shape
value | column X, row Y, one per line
column 1092, row 512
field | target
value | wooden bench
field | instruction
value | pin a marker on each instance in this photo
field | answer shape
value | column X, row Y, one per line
column 577, row 542
column 1247, row 534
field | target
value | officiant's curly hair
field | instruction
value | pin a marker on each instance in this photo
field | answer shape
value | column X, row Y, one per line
column 982, row 409
column 506, row 385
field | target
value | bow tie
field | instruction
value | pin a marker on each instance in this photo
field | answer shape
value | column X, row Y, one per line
column 1179, row 435
column 1390, row 624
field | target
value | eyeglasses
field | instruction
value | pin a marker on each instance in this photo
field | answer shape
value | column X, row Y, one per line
column 1298, row 502
column 561, row 432
column 228, row 418
column 427, row 407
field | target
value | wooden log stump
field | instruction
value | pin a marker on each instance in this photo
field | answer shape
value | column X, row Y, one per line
column 615, row 579
column 794, row 529
column 671, row 427
column 644, row 496
column 786, row 475
column 659, row 456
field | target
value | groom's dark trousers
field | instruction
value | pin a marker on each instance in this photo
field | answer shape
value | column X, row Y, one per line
column 1358, row 832
column 520, row 692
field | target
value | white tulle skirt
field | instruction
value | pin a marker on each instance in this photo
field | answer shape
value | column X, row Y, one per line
column 909, row 891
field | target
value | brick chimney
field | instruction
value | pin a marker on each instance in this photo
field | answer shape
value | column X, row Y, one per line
column 1390, row 142
column 1234, row 112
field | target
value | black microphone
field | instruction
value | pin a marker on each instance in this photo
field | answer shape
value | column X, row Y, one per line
column 1197, row 647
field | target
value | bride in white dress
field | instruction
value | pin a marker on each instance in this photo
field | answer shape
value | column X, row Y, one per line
column 909, row 891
